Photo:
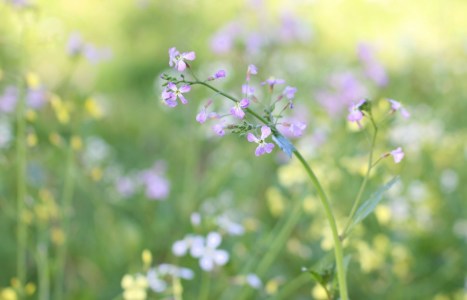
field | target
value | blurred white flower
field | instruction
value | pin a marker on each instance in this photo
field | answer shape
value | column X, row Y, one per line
column 189, row 242
column 208, row 254
column 449, row 180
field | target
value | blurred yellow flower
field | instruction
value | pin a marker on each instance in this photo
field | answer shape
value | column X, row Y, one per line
column 310, row 204
column 383, row 214
column 272, row 286
column 319, row 293
column 31, row 115
column 61, row 110
column 76, row 143
column 55, row 139
column 96, row 174
column 31, row 139
column 93, row 108
column 275, row 201
column 134, row 287
column 146, row 256
column 33, row 81
column 30, row 288
column 8, row 294
column 57, row 236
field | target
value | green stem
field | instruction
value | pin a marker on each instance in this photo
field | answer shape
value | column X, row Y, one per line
column 275, row 246
column 21, row 189
column 358, row 199
column 65, row 209
column 338, row 252
column 43, row 270
column 204, row 290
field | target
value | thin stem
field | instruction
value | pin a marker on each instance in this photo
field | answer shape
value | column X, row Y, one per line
column 65, row 209
column 276, row 246
column 370, row 166
column 43, row 270
column 292, row 286
column 21, row 189
column 204, row 290
column 338, row 252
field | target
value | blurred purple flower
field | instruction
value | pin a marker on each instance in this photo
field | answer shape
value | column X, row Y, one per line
column 397, row 106
column 203, row 115
column 8, row 99
column 75, row 44
column 247, row 90
column 237, row 109
column 397, row 155
column 293, row 29
column 271, row 81
column 292, row 128
column 35, row 97
column 223, row 40
column 355, row 114
column 344, row 89
column 263, row 147
column 251, row 70
column 96, row 55
column 219, row 129
column 373, row 69
column 125, row 187
column 157, row 187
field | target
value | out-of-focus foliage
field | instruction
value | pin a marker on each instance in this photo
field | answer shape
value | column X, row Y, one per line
column 143, row 173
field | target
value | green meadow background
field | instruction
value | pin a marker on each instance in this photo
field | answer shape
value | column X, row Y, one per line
column 102, row 121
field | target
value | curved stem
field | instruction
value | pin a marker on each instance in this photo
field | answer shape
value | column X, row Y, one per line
column 338, row 252
column 358, row 199
column 21, row 188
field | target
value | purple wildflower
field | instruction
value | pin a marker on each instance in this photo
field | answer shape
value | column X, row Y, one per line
column 263, row 147
column 355, row 114
column 247, row 90
column 397, row 155
column 294, row 129
column 203, row 115
column 36, row 97
column 289, row 93
column 95, row 55
column 178, row 60
column 75, row 44
column 273, row 81
column 397, row 106
column 252, row 70
column 157, row 186
column 8, row 99
column 172, row 92
column 219, row 129
column 237, row 109
column 373, row 69
column 220, row 74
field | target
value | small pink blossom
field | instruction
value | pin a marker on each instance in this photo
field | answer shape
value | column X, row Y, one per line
column 355, row 114
column 237, row 109
column 263, row 147
column 252, row 70
column 397, row 106
column 397, row 155
column 178, row 60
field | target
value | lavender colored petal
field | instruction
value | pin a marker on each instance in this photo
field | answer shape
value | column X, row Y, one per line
column 251, row 138
column 265, row 132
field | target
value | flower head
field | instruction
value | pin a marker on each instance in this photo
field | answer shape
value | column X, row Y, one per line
column 172, row 92
column 263, row 147
column 273, row 81
column 178, row 60
column 252, row 70
column 203, row 115
column 237, row 109
column 209, row 256
column 397, row 106
column 397, row 155
column 355, row 114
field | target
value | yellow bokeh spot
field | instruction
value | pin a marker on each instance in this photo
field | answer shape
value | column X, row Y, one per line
column 319, row 293
column 27, row 217
column 57, row 236
column 146, row 256
column 33, row 80
column 61, row 110
column 272, row 286
column 383, row 214
column 76, row 143
column 381, row 242
column 55, row 139
column 96, row 174
column 30, row 288
column 250, row 224
column 31, row 115
column 93, row 108
column 134, row 287
column 275, row 201
column 310, row 204
column 291, row 174
column 8, row 294
column 31, row 139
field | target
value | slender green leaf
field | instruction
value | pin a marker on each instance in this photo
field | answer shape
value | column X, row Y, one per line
column 369, row 206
